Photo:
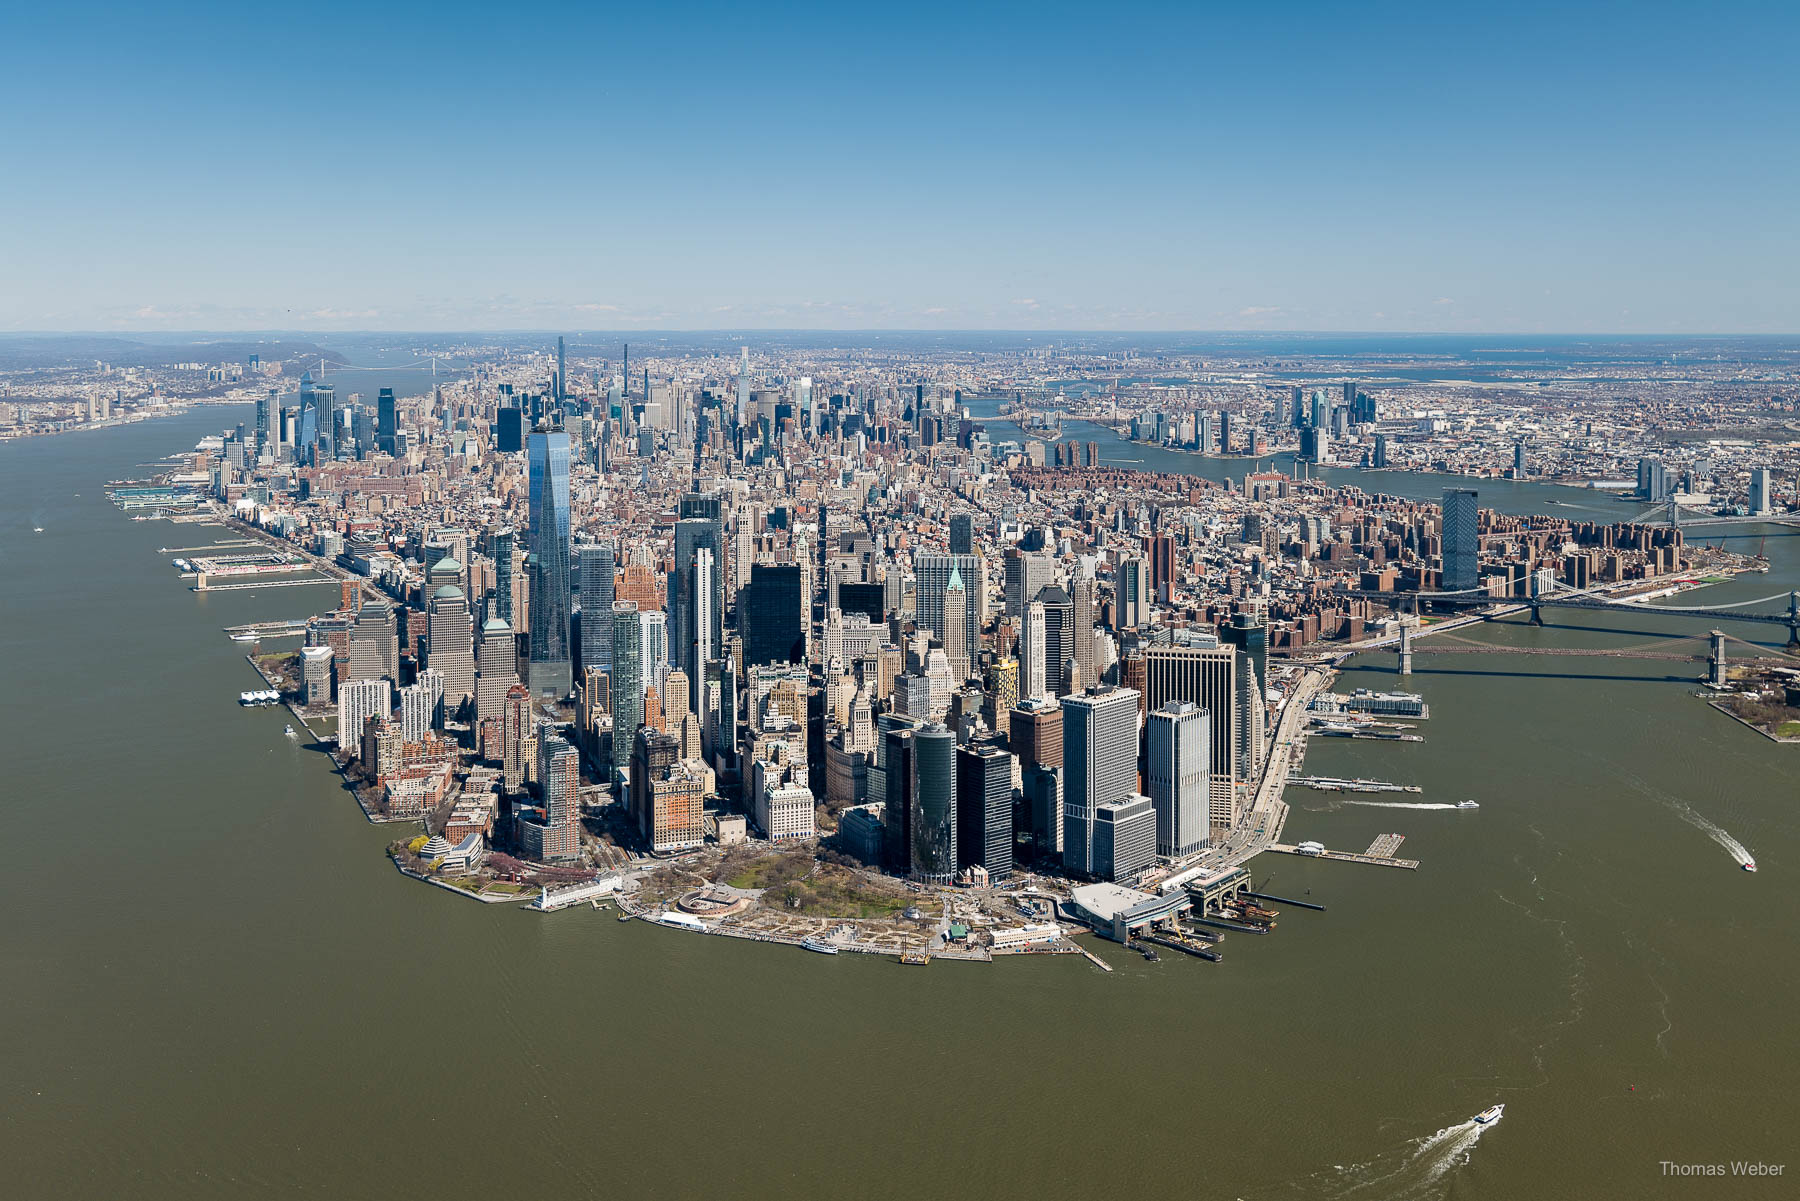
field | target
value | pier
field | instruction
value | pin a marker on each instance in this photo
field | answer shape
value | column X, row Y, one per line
column 1269, row 896
column 1334, row 784
column 271, row 629
column 1284, row 848
column 204, row 585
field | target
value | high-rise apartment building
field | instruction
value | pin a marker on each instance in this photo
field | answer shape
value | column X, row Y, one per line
column 627, row 672
column 359, row 700
column 598, row 561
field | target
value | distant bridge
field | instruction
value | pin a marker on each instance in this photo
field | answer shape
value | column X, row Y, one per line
column 1669, row 514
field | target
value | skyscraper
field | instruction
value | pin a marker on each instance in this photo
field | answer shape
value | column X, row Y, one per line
column 962, row 534
column 598, row 562
column 505, row 565
column 699, row 528
column 627, row 672
column 1204, row 673
column 450, row 645
column 984, row 810
column 1761, row 491
column 515, row 736
column 773, row 611
column 1132, row 593
column 1026, row 575
column 562, row 387
column 955, row 616
column 1059, row 639
column 1083, row 611
column 934, row 806
column 387, row 422
column 1179, row 753
column 552, row 676
column 374, row 642
column 1034, row 679
column 496, row 668
column 359, row 700
column 1462, row 540
column 934, row 571
column 1100, row 735
column 743, row 388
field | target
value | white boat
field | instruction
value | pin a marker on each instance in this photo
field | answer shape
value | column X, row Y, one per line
column 290, row 731
column 815, row 943
column 37, row 529
column 1468, row 804
column 1749, row 865
column 1489, row 1116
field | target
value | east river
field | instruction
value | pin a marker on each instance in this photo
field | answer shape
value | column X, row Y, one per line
column 214, row 983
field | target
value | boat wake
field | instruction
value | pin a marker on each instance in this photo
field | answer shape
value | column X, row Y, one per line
column 1717, row 833
column 1400, row 804
column 1415, row 1172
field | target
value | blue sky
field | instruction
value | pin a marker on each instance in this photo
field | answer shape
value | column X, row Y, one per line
column 1381, row 167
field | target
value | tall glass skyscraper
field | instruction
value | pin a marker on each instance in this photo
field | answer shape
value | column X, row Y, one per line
column 627, row 672
column 597, row 566
column 1462, row 539
column 552, row 677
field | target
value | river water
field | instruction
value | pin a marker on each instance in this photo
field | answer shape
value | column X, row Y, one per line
column 215, row 984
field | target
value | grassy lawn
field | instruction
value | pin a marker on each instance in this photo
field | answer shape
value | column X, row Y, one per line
column 1788, row 729
column 768, row 870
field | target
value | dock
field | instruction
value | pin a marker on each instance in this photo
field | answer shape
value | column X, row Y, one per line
column 1185, row 945
column 1384, row 846
column 1284, row 848
column 1269, row 896
column 1220, row 923
column 1094, row 959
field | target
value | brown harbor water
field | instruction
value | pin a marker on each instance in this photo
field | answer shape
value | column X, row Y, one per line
column 216, row 985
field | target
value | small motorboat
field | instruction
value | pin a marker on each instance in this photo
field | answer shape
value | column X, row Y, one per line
column 1749, row 865
column 1468, row 804
column 1489, row 1116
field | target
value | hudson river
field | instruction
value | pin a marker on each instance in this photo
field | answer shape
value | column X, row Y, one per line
column 216, row 985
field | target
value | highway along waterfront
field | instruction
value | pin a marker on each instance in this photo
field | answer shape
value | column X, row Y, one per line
column 217, row 985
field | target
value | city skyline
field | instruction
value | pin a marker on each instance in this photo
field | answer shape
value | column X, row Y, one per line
column 1199, row 169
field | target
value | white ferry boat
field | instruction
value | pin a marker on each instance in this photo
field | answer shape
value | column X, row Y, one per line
column 815, row 943
column 1471, row 803
column 1489, row 1116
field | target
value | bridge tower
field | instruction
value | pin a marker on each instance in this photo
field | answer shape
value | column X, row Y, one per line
column 1406, row 639
column 1715, row 663
column 1793, row 642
